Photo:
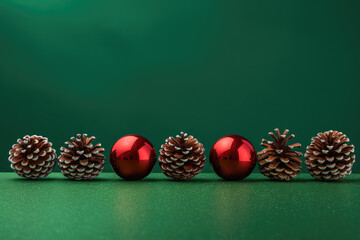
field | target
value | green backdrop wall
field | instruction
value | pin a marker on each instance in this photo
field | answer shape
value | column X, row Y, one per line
column 155, row 68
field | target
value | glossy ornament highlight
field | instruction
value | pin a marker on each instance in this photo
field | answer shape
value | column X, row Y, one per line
column 233, row 157
column 132, row 157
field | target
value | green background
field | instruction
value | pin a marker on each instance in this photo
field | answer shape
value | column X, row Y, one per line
column 155, row 68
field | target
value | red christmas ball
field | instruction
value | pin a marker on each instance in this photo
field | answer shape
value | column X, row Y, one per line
column 132, row 157
column 233, row 157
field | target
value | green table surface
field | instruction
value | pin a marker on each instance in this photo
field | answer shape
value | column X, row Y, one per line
column 157, row 208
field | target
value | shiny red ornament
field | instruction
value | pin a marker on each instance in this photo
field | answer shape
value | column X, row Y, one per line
column 132, row 157
column 233, row 157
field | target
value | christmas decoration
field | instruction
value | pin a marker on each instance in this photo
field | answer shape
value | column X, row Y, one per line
column 329, row 157
column 233, row 157
column 32, row 157
column 132, row 157
column 181, row 158
column 81, row 159
column 278, row 161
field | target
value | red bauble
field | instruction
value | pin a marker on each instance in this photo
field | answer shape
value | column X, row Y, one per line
column 132, row 157
column 233, row 157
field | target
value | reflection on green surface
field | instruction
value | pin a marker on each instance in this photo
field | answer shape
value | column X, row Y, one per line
column 157, row 208
column 226, row 197
column 131, row 209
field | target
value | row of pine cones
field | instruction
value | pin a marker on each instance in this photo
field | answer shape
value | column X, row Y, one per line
column 328, row 157
column 33, row 157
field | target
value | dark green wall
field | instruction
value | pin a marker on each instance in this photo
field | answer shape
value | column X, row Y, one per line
column 155, row 68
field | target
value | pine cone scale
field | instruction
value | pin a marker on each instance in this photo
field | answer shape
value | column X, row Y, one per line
column 292, row 165
column 296, row 159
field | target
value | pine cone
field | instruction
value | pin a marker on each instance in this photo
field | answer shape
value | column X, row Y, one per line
column 278, row 161
column 329, row 157
column 181, row 158
column 81, row 160
column 32, row 157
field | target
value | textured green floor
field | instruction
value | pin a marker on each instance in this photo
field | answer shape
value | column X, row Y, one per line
column 156, row 208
